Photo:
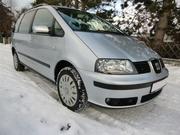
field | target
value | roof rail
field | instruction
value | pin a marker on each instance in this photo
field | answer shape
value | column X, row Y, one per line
column 38, row 5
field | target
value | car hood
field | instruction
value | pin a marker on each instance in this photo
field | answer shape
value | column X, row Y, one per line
column 116, row 46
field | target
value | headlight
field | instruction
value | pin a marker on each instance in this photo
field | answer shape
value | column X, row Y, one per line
column 114, row 66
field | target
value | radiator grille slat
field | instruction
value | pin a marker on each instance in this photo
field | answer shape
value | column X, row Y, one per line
column 142, row 67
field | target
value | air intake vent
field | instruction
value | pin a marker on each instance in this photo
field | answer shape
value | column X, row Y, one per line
column 150, row 96
column 121, row 101
column 142, row 67
column 162, row 63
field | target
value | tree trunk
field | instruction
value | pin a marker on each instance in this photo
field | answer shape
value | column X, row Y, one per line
column 83, row 4
column 63, row 2
column 5, row 40
column 162, row 25
column 76, row 4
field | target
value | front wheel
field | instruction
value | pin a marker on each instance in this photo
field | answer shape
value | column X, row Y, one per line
column 71, row 89
column 17, row 65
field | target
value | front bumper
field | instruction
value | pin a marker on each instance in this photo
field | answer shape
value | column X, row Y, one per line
column 120, row 91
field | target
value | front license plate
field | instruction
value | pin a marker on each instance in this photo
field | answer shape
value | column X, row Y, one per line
column 158, row 85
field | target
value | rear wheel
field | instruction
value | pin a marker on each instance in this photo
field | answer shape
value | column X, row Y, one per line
column 71, row 89
column 17, row 64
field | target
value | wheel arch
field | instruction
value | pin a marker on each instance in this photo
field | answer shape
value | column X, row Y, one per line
column 60, row 65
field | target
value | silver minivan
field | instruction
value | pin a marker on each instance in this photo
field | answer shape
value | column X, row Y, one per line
column 89, row 59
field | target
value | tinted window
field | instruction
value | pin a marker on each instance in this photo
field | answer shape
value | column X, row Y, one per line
column 26, row 22
column 43, row 18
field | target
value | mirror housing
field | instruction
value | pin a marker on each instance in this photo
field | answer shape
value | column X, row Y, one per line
column 59, row 33
column 41, row 29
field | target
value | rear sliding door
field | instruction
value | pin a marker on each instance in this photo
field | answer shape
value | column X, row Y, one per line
column 22, row 37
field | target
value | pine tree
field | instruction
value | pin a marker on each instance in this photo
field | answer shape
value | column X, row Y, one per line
column 50, row 2
column 78, row 4
column 86, row 4
column 151, row 20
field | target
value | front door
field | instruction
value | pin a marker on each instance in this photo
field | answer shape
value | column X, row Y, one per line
column 46, row 46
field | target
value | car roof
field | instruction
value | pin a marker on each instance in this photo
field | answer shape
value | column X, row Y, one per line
column 44, row 5
column 54, row 6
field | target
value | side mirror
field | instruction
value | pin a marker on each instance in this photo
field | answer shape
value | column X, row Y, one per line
column 59, row 32
column 41, row 29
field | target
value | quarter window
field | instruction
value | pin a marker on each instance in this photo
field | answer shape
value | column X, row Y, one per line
column 58, row 31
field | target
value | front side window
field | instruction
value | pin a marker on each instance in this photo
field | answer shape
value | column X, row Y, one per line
column 43, row 18
column 25, row 24
column 83, row 21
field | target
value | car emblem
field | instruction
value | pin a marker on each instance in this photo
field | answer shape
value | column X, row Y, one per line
column 157, row 66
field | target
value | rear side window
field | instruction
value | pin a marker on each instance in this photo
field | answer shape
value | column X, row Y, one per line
column 43, row 18
column 26, row 22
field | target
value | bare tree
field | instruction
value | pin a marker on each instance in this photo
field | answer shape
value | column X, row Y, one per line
column 7, row 18
column 162, row 25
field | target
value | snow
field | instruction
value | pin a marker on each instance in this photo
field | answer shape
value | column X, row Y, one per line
column 25, row 109
column 129, row 17
column 178, row 3
column 28, row 106
column 132, row 17
column 114, row 5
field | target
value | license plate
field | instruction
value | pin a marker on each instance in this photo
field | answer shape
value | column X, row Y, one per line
column 158, row 85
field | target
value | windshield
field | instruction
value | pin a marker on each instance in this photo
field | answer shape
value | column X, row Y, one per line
column 86, row 22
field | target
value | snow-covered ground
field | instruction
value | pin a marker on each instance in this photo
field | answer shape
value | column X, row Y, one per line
column 28, row 106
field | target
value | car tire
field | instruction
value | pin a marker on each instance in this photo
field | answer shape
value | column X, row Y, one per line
column 17, row 64
column 71, row 89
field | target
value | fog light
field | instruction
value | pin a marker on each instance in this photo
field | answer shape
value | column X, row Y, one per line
column 107, row 100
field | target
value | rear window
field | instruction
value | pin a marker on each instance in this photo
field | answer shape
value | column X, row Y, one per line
column 26, row 22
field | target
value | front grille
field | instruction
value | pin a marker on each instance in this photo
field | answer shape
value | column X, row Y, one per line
column 121, row 101
column 156, row 65
column 142, row 67
column 162, row 63
column 150, row 96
